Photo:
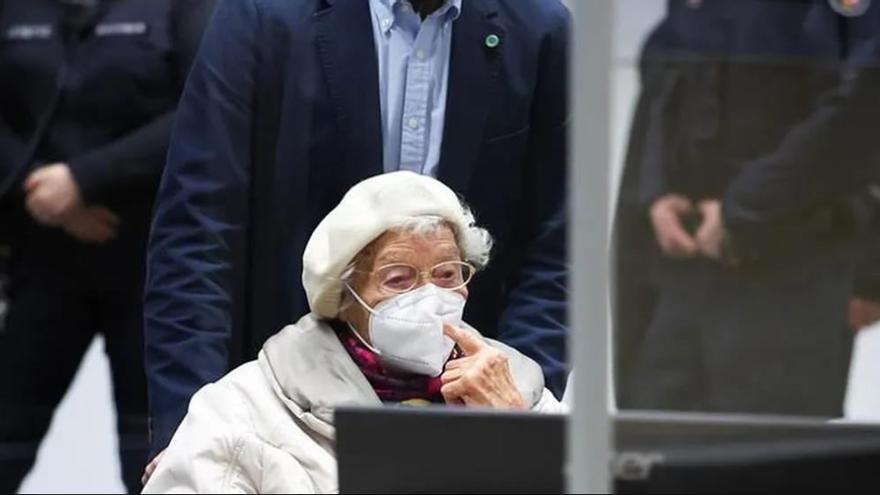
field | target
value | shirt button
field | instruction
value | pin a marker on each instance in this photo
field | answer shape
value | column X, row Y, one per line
column 386, row 23
column 420, row 54
column 413, row 123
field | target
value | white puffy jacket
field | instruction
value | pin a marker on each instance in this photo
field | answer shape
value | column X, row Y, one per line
column 267, row 427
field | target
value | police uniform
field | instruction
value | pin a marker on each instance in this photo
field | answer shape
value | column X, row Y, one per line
column 768, row 106
column 93, row 84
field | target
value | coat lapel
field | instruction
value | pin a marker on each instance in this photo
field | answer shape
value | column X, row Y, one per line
column 474, row 66
column 347, row 51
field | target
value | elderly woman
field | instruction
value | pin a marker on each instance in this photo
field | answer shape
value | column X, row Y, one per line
column 386, row 274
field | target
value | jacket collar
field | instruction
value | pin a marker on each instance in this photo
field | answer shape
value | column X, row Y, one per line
column 313, row 374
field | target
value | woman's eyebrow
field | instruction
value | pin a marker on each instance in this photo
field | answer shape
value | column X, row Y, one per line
column 450, row 251
column 391, row 257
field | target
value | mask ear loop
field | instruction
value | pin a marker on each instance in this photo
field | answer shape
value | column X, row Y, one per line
column 362, row 341
column 351, row 327
column 361, row 301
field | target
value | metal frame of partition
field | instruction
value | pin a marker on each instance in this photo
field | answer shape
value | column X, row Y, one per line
column 589, row 438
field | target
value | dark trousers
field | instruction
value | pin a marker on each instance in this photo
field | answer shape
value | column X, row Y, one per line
column 49, row 330
column 763, row 340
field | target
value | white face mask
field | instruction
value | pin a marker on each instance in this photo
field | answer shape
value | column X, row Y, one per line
column 407, row 330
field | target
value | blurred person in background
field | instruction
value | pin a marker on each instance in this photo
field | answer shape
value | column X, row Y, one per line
column 757, row 150
column 290, row 104
column 90, row 89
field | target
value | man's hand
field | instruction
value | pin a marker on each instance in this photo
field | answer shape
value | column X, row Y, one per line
column 151, row 468
column 863, row 314
column 672, row 237
column 92, row 225
column 710, row 236
column 480, row 379
column 52, row 194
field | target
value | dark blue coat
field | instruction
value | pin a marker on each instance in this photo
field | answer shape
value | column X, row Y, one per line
column 281, row 116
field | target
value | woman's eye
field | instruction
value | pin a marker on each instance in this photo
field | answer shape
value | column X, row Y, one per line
column 398, row 279
column 445, row 274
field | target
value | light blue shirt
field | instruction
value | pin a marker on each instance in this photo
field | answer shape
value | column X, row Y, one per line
column 413, row 79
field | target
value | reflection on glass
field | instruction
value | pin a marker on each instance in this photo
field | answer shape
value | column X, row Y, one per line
column 747, row 225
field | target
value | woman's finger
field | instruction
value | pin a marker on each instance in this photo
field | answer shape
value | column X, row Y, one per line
column 459, row 363
column 468, row 342
column 453, row 391
column 451, row 376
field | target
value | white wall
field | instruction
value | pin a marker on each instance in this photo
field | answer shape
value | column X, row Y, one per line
column 79, row 454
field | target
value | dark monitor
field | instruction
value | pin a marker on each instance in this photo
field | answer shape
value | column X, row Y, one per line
column 445, row 450
column 448, row 450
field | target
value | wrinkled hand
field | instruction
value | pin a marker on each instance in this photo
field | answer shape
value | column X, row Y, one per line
column 710, row 236
column 151, row 468
column 480, row 379
column 92, row 225
column 863, row 314
column 672, row 237
column 52, row 194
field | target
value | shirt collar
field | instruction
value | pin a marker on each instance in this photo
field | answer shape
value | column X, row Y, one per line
column 451, row 9
column 387, row 10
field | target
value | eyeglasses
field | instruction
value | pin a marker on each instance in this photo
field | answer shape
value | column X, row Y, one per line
column 400, row 278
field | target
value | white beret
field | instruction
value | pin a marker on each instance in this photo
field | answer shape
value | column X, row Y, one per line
column 366, row 212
